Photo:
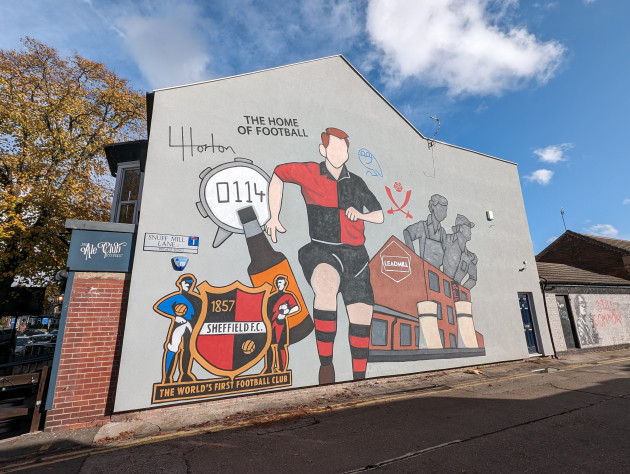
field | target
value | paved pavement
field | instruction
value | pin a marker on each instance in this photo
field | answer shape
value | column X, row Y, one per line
column 570, row 414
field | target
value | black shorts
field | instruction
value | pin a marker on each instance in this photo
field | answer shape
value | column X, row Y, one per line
column 351, row 262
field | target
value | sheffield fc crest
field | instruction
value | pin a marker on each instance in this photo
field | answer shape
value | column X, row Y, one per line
column 233, row 331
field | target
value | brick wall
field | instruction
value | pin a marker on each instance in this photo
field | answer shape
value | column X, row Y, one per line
column 90, row 353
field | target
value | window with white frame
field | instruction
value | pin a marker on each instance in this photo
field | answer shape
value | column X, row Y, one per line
column 126, row 205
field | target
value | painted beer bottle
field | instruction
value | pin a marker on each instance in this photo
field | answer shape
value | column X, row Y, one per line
column 267, row 264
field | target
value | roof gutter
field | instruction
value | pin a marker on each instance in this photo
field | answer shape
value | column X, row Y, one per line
column 596, row 285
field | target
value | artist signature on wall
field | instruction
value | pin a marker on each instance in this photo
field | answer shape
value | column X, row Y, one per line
column 187, row 143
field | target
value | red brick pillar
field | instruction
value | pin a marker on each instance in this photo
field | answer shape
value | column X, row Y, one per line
column 90, row 352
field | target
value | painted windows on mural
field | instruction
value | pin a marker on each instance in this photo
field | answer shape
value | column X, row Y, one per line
column 434, row 281
column 442, row 336
column 128, row 189
column 379, row 333
column 453, row 340
column 405, row 335
column 447, row 288
column 439, row 310
column 450, row 315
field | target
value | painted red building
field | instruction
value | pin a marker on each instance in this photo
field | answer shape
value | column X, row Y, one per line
column 419, row 312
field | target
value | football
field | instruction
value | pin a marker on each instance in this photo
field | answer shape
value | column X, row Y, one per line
column 248, row 346
column 180, row 309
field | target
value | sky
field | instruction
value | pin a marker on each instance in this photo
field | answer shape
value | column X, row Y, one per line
column 539, row 83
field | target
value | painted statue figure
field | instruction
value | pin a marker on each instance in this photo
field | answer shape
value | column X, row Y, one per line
column 338, row 204
column 587, row 332
column 430, row 235
column 281, row 304
column 183, row 307
column 460, row 262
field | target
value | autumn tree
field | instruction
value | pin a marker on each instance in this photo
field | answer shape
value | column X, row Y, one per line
column 56, row 114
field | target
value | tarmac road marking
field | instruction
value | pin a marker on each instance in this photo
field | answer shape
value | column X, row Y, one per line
column 126, row 444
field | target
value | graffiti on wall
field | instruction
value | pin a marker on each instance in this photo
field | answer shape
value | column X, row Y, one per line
column 606, row 314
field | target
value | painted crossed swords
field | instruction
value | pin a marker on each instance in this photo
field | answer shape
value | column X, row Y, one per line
column 397, row 207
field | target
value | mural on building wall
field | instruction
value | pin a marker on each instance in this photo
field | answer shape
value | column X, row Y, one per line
column 335, row 261
column 398, row 207
column 227, row 188
column 282, row 304
column 587, row 332
column 370, row 163
column 347, row 296
column 401, row 305
column 227, row 330
column 183, row 308
column 445, row 251
column 423, row 302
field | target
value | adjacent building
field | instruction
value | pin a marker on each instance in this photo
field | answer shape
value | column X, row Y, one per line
column 586, row 284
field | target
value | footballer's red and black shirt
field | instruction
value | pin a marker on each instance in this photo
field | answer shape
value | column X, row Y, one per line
column 327, row 200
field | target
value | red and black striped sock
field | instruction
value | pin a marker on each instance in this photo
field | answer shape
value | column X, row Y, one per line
column 359, row 335
column 325, row 331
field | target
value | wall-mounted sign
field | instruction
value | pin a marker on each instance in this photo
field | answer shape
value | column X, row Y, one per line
column 179, row 262
column 171, row 243
column 100, row 251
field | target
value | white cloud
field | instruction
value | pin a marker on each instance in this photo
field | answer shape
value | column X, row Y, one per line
column 626, row 201
column 588, row 2
column 165, row 43
column 470, row 47
column 553, row 153
column 541, row 176
column 605, row 230
column 546, row 5
column 552, row 239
